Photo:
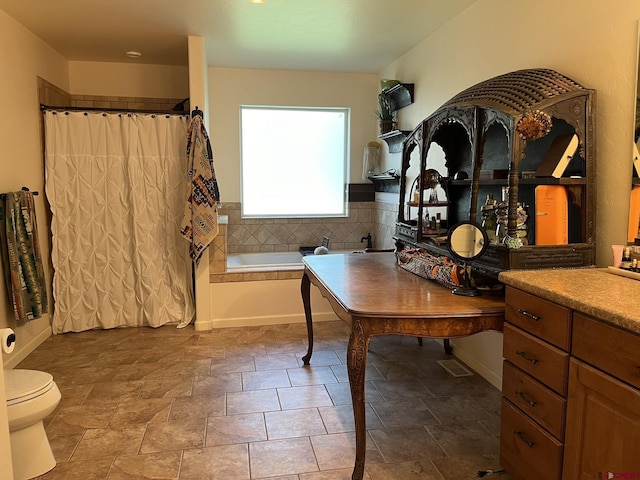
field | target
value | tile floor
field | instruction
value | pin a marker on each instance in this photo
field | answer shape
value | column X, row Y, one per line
column 237, row 404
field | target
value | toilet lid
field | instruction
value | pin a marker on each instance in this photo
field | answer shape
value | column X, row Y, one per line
column 21, row 385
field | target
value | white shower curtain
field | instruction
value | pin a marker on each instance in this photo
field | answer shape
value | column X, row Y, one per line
column 116, row 184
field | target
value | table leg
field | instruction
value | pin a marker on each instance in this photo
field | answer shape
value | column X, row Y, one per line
column 356, row 366
column 305, row 290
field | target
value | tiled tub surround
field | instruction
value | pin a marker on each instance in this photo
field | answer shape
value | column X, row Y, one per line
column 271, row 295
column 285, row 235
column 289, row 234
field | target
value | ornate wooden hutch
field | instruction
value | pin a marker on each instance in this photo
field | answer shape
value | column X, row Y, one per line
column 488, row 144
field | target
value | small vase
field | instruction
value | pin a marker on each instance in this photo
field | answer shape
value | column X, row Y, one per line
column 387, row 126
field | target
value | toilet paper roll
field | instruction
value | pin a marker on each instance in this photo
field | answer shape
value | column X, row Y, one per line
column 8, row 340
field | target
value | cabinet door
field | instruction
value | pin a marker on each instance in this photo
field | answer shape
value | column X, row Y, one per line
column 603, row 426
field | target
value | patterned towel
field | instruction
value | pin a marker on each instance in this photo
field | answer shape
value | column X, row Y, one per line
column 200, row 220
column 21, row 256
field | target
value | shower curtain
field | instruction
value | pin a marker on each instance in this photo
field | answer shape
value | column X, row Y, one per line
column 116, row 186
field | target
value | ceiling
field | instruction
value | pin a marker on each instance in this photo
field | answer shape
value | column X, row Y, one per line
column 327, row 35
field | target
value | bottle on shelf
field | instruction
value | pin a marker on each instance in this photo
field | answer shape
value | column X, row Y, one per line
column 626, row 259
column 489, row 219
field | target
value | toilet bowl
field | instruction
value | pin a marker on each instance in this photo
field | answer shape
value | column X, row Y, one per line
column 31, row 396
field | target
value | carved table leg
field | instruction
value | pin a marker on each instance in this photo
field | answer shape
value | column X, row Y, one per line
column 356, row 365
column 305, row 290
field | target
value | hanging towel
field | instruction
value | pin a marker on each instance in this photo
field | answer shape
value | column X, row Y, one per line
column 200, row 220
column 21, row 256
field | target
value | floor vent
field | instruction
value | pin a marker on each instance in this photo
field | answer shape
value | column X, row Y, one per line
column 455, row 368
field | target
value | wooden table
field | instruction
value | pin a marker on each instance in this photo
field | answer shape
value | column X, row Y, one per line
column 376, row 297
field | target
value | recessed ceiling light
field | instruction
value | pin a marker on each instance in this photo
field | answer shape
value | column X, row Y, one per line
column 256, row 1
column 133, row 54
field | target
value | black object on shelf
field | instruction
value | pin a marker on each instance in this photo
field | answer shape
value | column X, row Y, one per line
column 386, row 183
column 399, row 95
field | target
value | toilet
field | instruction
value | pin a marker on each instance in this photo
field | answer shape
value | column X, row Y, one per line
column 31, row 396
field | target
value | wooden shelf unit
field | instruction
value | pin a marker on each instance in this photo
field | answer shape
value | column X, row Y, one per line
column 477, row 131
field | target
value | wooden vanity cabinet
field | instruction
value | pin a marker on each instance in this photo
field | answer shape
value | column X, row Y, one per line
column 571, row 394
column 534, row 386
column 603, row 423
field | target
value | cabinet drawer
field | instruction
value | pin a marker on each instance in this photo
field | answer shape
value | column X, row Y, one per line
column 543, row 318
column 527, row 451
column 608, row 348
column 544, row 406
column 542, row 361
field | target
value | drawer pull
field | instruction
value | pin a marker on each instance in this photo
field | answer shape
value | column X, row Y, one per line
column 526, row 399
column 527, row 357
column 528, row 314
column 524, row 439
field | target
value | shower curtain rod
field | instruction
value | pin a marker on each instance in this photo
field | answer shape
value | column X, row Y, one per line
column 111, row 110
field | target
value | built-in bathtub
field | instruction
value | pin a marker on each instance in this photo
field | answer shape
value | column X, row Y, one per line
column 268, row 260
column 263, row 289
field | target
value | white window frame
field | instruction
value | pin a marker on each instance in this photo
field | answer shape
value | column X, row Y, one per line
column 298, row 177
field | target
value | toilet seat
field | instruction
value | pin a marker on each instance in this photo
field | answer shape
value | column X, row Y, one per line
column 24, row 385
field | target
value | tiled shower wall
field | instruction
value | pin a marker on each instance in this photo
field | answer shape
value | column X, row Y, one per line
column 52, row 96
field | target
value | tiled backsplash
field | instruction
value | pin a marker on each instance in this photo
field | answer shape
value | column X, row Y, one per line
column 273, row 235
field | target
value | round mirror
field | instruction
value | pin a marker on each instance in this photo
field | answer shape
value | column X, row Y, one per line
column 467, row 241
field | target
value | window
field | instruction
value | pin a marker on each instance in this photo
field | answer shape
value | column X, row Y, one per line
column 294, row 161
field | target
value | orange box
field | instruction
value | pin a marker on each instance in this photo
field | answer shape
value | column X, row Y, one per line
column 552, row 212
column 634, row 214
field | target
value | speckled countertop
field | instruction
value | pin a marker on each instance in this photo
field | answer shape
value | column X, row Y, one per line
column 593, row 291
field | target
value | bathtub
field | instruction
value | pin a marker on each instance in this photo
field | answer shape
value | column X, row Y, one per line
column 264, row 261
column 268, row 294
column 268, row 261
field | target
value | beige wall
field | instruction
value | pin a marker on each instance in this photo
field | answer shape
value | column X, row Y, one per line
column 128, row 80
column 591, row 41
column 229, row 88
column 23, row 57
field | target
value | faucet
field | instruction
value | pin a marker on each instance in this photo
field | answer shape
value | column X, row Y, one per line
column 368, row 239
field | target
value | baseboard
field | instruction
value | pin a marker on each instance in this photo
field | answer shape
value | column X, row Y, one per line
column 481, row 369
column 10, row 361
column 259, row 321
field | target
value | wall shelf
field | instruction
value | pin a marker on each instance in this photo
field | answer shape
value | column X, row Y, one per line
column 394, row 139
column 399, row 95
column 386, row 184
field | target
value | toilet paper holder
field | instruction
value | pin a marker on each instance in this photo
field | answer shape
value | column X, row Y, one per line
column 8, row 340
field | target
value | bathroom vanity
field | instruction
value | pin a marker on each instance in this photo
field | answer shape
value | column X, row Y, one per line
column 571, row 379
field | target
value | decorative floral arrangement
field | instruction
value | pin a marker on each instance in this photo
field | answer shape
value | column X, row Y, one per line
column 534, row 125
